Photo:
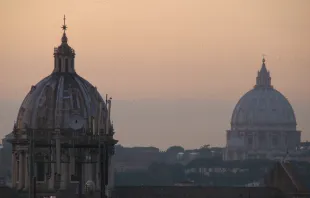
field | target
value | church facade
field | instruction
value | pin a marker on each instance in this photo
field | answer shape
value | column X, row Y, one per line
column 263, row 123
column 63, row 137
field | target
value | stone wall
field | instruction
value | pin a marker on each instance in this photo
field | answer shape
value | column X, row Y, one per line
column 7, row 192
column 196, row 192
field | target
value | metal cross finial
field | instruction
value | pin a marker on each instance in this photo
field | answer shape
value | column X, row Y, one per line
column 263, row 57
column 64, row 27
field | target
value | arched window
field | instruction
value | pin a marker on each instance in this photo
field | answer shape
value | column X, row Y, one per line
column 59, row 64
column 77, row 173
column 40, row 167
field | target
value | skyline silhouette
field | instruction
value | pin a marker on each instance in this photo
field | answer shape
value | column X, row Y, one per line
column 158, row 59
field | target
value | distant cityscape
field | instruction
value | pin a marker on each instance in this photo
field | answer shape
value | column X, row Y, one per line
column 63, row 144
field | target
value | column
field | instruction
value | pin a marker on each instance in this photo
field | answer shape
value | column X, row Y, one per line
column 27, row 171
column 14, row 171
column 111, row 176
column 72, row 162
column 64, row 175
column 58, row 150
column 98, row 172
column 67, row 178
column 21, row 170
column 94, row 169
column 88, row 172
column 51, row 184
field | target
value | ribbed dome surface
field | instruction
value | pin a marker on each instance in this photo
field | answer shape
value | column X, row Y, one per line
column 263, row 106
column 61, row 100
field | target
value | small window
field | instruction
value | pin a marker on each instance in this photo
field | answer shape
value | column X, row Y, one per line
column 250, row 140
column 66, row 65
column 274, row 141
column 72, row 63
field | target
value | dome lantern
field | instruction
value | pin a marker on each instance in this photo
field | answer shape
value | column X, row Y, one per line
column 263, row 79
column 64, row 55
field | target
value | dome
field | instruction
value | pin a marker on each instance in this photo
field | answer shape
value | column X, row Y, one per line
column 62, row 100
column 57, row 101
column 263, row 106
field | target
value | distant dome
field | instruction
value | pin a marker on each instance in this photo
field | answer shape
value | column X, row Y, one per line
column 63, row 99
column 263, row 106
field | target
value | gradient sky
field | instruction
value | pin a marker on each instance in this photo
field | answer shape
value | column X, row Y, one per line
column 176, row 68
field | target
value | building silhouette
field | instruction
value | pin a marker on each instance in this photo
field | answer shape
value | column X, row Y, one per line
column 63, row 137
column 263, row 123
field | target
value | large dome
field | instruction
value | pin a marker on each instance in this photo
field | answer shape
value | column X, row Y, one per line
column 63, row 99
column 263, row 106
column 57, row 101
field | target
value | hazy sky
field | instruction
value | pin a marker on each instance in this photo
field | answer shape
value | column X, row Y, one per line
column 176, row 68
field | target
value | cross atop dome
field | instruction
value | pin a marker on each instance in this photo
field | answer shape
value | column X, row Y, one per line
column 263, row 58
column 64, row 26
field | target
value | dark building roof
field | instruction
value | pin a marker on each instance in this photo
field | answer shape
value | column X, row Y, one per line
column 300, row 172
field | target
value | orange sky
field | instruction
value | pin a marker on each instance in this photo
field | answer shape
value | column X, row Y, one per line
column 167, row 49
